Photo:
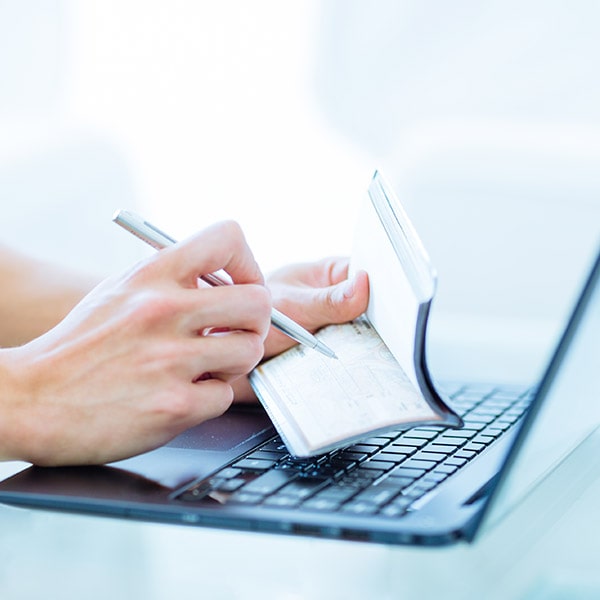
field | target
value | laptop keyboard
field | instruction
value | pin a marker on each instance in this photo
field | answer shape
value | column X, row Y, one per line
column 383, row 475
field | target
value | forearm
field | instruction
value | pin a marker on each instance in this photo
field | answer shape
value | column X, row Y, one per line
column 35, row 296
column 11, row 395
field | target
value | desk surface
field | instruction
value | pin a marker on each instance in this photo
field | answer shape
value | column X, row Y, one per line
column 547, row 548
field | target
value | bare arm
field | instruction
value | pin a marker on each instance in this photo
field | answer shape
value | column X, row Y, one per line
column 35, row 296
column 140, row 359
column 129, row 367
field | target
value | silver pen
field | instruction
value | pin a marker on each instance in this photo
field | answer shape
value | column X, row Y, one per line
column 159, row 239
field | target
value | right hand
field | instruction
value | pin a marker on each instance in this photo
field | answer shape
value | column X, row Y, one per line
column 140, row 359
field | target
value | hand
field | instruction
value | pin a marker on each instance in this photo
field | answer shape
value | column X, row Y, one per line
column 142, row 358
column 313, row 294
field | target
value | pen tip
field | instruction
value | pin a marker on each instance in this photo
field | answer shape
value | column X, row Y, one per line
column 325, row 350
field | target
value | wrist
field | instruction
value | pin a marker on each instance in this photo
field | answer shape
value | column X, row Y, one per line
column 10, row 400
column 18, row 438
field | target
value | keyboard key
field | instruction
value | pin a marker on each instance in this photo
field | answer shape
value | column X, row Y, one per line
column 414, row 492
column 391, row 457
column 327, row 471
column 483, row 439
column 302, row 488
column 254, row 464
column 411, row 463
column 393, row 511
column 401, row 502
column 265, row 455
column 449, row 388
column 498, row 402
column 409, row 473
column 230, row 485
column 473, row 417
column 288, row 464
column 400, row 482
column 478, row 425
column 377, row 464
column 243, row 498
column 446, row 440
column 410, row 441
column 275, row 445
column 282, row 501
column 389, row 435
column 321, row 504
column 335, row 494
column 442, row 448
column 269, row 482
column 345, row 464
column 366, row 474
column 434, row 477
column 376, row 441
column 378, row 495
column 400, row 449
column 493, row 431
column 445, row 468
column 458, row 433
column 423, row 433
column 359, row 508
column 479, row 389
column 473, row 447
column 355, row 456
column 362, row 448
column 428, row 456
column 360, row 479
column 466, row 454
column 228, row 473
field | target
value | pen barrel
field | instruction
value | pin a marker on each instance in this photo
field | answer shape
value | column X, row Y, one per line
column 292, row 329
column 158, row 239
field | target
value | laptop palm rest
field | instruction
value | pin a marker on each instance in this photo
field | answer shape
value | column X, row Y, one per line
column 154, row 475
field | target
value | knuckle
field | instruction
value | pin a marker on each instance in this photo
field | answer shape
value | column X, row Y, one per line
column 232, row 230
column 152, row 307
column 262, row 300
column 145, row 270
column 224, row 397
column 177, row 404
column 219, row 397
column 249, row 350
column 254, row 348
column 330, row 301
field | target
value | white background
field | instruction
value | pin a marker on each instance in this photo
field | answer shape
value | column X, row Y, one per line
column 483, row 116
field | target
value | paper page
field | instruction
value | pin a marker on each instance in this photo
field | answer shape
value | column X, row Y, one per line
column 401, row 278
column 393, row 307
column 316, row 402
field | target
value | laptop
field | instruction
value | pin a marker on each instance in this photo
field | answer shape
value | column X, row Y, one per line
column 422, row 486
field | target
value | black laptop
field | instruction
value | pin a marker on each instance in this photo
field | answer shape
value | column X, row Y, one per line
column 425, row 485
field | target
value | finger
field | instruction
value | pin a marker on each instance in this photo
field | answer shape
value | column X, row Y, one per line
column 207, row 400
column 244, row 307
column 337, row 303
column 221, row 246
column 224, row 356
column 331, row 271
column 322, row 273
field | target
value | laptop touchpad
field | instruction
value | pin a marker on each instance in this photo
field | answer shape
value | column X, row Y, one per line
column 203, row 449
column 224, row 433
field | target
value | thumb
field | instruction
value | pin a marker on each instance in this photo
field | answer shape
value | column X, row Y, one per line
column 341, row 302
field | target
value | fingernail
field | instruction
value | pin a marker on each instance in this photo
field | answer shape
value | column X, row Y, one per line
column 349, row 287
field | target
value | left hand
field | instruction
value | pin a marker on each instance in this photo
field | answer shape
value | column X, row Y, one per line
column 314, row 295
